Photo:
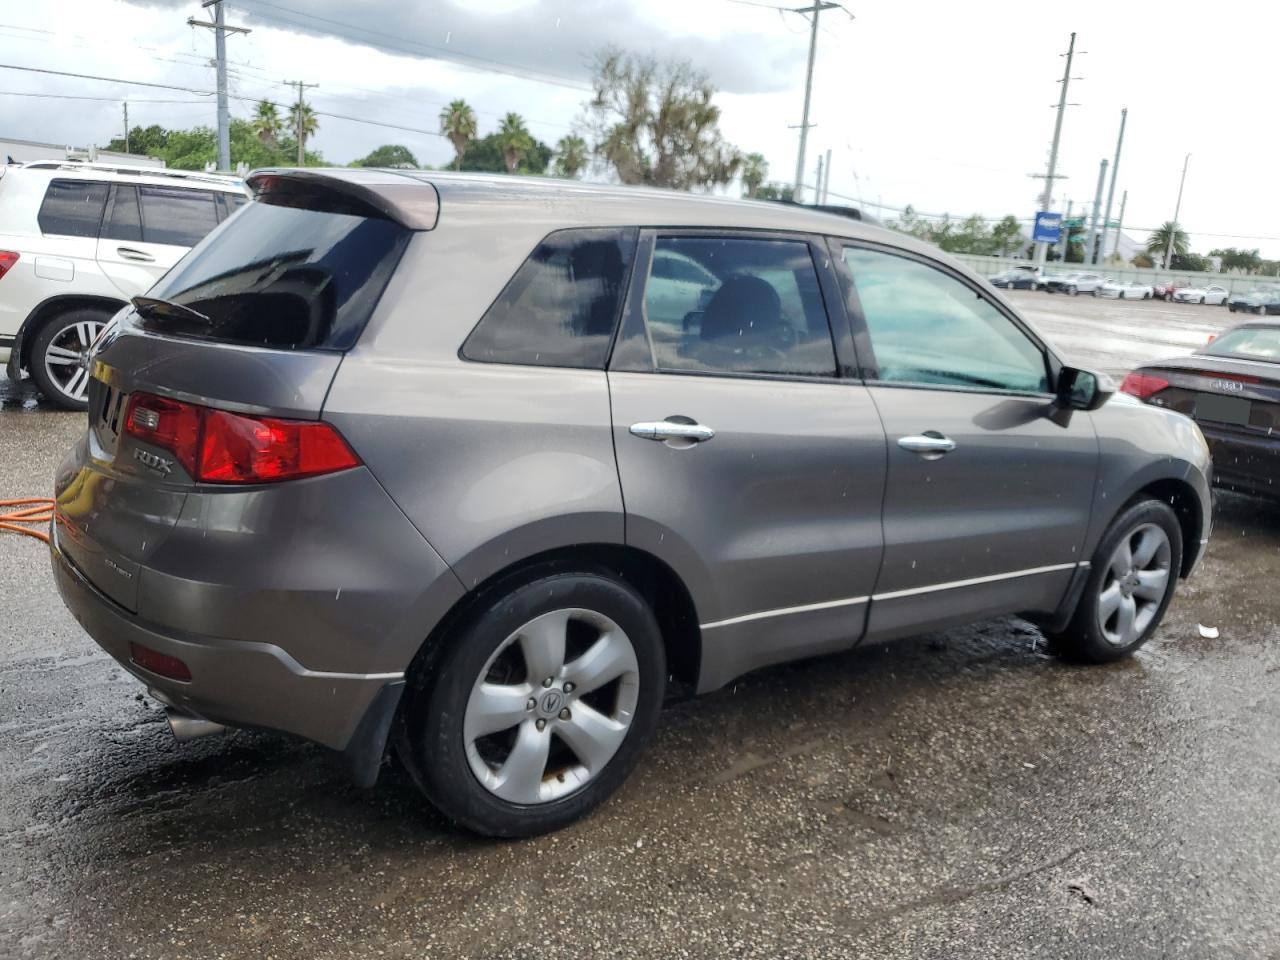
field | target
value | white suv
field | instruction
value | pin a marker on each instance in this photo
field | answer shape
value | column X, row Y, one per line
column 78, row 240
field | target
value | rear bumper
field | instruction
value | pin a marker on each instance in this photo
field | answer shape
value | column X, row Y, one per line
column 236, row 683
column 1245, row 463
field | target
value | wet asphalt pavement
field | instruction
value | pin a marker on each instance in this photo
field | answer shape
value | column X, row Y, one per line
column 955, row 795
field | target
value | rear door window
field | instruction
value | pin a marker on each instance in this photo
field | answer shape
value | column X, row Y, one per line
column 72, row 208
column 283, row 277
column 737, row 305
column 177, row 217
column 124, row 222
column 561, row 307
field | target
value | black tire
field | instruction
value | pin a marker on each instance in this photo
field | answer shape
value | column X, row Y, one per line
column 431, row 737
column 1095, row 291
column 49, row 331
column 1074, row 291
column 1083, row 640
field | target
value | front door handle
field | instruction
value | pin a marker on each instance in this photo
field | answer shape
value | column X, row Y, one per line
column 931, row 445
column 669, row 430
column 130, row 253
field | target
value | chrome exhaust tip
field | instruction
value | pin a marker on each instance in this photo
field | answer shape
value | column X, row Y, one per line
column 186, row 727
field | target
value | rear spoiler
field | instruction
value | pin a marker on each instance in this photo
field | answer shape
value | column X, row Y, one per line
column 408, row 201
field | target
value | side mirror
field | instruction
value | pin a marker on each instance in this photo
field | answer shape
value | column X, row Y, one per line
column 1083, row 389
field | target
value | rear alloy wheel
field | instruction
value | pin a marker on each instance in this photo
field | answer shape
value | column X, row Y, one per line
column 60, row 356
column 535, row 713
column 1261, row 310
column 1131, row 581
column 1073, row 290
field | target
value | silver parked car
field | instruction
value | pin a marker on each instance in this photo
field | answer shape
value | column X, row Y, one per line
column 481, row 467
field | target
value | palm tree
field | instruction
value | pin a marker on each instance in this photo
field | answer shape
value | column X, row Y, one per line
column 302, row 120
column 458, row 124
column 571, row 156
column 266, row 122
column 1169, row 234
column 755, row 170
column 514, row 139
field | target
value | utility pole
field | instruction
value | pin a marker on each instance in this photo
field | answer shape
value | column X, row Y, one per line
column 1120, row 220
column 1168, row 253
column 826, row 182
column 817, row 187
column 1066, row 231
column 797, row 193
column 220, row 31
column 298, row 130
column 1091, row 255
column 1046, row 198
column 1111, row 191
column 126, row 126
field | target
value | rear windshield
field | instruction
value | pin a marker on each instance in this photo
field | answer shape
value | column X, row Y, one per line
column 283, row 277
column 1260, row 342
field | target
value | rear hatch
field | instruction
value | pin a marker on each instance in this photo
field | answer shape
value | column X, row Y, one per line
column 265, row 307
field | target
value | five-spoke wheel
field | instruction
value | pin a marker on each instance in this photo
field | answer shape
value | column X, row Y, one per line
column 59, row 361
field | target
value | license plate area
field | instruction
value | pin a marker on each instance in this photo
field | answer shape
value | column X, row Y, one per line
column 1233, row 410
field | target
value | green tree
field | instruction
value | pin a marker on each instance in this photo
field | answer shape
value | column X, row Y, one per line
column 303, row 122
column 571, row 156
column 266, row 122
column 458, row 124
column 1142, row 261
column 391, row 155
column 654, row 123
column 486, row 156
column 755, row 170
column 515, row 140
column 1246, row 261
column 1188, row 261
column 1169, row 234
column 1006, row 236
column 776, row 191
column 143, row 141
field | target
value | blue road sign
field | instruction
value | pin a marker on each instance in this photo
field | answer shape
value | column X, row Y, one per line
column 1048, row 228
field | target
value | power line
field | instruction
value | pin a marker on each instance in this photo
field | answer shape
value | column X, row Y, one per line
column 68, row 96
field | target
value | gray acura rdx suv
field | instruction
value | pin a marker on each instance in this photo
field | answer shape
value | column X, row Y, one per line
column 478, row 467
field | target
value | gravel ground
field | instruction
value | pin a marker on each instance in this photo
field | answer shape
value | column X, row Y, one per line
column 953, row 795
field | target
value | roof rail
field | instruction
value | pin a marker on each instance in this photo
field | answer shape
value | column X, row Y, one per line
column 140, row 171
column 852, row 213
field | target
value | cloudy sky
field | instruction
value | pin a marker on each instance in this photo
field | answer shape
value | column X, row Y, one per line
column 942, row 105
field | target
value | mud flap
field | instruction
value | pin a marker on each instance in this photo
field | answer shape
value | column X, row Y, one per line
column 368, row 745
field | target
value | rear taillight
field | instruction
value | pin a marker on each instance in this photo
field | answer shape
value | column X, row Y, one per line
column 240, row 449
column 216, row 446
column 7, row 259
column 1143, row 385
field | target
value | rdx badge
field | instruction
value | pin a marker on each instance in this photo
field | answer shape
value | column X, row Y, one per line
column 1231, row 386
column 154, row 461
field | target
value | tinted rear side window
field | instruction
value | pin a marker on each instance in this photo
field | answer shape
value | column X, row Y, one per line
column 561, row 307
column 72, row 208
column 123, row 222
column 177, row 217
column 284, row 277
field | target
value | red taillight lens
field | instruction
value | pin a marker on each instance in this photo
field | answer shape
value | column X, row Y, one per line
column 7, row 259
column 1143, row 385
column 160, row 663
column 215, row 446
column 240, row 449
column 169, row 424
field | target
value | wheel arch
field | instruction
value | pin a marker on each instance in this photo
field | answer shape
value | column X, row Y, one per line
column 52, row 307
column 1181, row 496
column 661, row 587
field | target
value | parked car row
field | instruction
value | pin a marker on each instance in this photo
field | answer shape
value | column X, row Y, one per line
column 1264, row 300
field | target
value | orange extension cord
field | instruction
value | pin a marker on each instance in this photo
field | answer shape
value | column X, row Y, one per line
column 33, row 510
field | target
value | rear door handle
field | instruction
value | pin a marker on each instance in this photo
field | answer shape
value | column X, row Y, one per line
column 667, row 430
column 130, row 253
column 931, row 445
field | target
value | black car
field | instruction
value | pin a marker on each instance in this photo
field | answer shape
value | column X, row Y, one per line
column 1231, row 388
column 1262, row 301
column 1015, row 280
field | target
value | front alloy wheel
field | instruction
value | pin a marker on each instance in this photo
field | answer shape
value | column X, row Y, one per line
column 1135, row 584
